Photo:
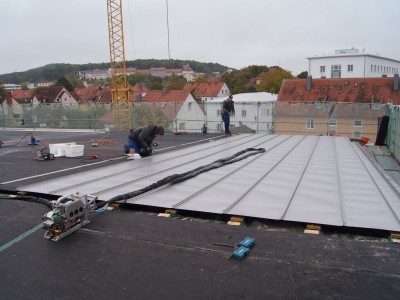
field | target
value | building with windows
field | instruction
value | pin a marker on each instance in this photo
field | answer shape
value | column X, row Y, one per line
column 253, row 111
column 349, row 107
column 350, row 63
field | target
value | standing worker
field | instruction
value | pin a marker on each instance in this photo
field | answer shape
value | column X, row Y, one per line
column 228, row 110
column 141, row 139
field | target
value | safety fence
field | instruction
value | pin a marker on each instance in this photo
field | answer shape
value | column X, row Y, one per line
column 393, row 133
column 174, row 116
column 345, row 119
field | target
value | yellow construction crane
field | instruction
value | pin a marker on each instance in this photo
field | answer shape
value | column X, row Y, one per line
column 121, row 105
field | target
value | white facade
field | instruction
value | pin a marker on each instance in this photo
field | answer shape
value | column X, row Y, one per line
column 253, row 110
column 349, row 63
column 11, row 86
column 190, row 117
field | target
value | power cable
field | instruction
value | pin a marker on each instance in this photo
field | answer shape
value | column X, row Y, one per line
column 6, row 145
column 176, row 178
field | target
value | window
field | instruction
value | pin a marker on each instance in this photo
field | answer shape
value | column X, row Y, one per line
column 263, row 111
column 336, row 71
column 219, row 112
column 349, row 68
column 332, row 132
column 310, row 123
column 322, row 69
column 332, row 122
column 357, row 134
column 267, row 111
column 190, row 106
column 182, row 126
column 219, row 126
column 243, row 113
column 357, row 123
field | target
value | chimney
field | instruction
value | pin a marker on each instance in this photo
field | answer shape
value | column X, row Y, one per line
column 309, row 82
column 396, row 82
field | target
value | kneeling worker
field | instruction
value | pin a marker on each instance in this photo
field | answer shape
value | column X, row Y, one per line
column 141, row 139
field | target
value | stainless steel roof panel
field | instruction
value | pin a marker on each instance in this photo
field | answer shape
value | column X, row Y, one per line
column 312, row 179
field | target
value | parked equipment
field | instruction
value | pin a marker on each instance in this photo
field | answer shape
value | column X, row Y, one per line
column 69, row 213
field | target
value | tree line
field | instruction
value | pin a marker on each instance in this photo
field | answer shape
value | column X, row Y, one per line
column 53, row 72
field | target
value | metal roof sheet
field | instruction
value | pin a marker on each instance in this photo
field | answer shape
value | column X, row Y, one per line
column 312, row 179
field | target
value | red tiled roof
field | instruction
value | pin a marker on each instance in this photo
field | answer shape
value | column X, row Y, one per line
column 329, row 109
column 20, row 94
column 49, row 93
column 140, row 87
column 168, row 96
column 88, row 94
column 205, row 89
column 360, row 90
column 187, row 68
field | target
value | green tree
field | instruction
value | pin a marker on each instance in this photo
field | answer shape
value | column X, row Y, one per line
column 201, row 79
column 139, row 77
column 175, row 82
column 156, row 85
column 75, row 81
column 303, row 74
column 239, row 81
column 63, row 81
column 24, row 86
column 271, row 82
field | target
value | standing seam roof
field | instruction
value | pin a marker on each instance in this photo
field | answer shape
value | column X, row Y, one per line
column 323, row 180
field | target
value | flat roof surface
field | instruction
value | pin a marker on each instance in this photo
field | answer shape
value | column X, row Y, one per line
column 129, row 253
column 311, row 179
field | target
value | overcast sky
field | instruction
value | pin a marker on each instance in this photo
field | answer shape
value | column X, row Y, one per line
column 234, row 33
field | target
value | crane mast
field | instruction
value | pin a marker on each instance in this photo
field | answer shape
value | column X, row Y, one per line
column 121, row 105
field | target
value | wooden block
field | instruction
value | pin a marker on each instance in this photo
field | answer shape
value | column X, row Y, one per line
column 237, row 219
column 396, row 241
column 234, row 223
column 311, row 231
column 395, row 235
column 164, row 215
column 114, row 205
column 313, row 227
column 171, row 211
column 110, row 208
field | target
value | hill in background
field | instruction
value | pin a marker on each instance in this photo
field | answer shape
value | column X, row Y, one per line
column 53, row 72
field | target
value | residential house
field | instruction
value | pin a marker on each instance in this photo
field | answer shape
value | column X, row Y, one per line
column 349, row 63
column 169, row 102
column 351, row 107
column 208, row 90
column 16, row 103
column 54, row 95
column 253, row 113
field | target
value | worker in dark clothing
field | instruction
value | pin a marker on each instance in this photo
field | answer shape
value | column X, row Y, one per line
column 141, row 139
column 228, row 110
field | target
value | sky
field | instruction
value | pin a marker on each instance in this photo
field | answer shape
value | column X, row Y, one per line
column 234, row 33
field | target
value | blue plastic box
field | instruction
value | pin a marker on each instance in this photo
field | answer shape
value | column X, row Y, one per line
column 247, row 242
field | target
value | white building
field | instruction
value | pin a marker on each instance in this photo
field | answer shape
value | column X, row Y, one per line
column 11, row 86
column 253, row 110
column 349, row 63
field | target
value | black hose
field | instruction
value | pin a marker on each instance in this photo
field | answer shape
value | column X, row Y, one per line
column 4, row 145
column 29, row 199
column 189, row 174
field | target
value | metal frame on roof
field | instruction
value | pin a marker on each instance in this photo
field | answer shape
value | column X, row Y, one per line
column 313, row 179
